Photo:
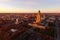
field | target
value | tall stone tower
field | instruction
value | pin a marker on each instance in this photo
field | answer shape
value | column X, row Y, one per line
column 38, row 17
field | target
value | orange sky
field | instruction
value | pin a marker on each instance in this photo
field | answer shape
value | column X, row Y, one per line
column 32, row 6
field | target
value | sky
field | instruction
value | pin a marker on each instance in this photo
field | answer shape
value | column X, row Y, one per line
column 29, row 6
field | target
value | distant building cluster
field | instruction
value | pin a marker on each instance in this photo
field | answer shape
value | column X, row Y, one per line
column 37, row 25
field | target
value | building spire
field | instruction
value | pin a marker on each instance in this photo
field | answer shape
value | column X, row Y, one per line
column 38, row 17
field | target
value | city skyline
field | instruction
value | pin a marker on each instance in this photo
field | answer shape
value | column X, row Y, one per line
column 32, row 6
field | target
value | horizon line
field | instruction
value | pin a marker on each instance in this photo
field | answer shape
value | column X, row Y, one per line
column 29, row 12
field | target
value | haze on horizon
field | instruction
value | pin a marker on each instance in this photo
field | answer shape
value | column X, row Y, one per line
column 26, row 6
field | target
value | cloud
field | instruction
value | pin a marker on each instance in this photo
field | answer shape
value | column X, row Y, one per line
column 18, row 5
column 13, row 10
column 4, row 0
column 50, row 10
column 26, row 2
